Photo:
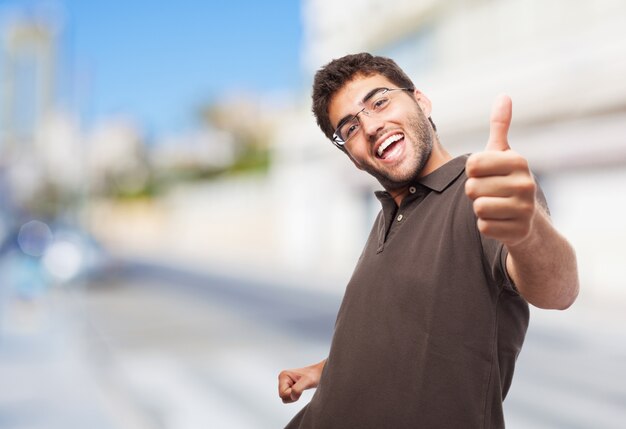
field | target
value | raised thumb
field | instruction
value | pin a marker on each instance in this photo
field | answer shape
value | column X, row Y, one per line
column 499, row 123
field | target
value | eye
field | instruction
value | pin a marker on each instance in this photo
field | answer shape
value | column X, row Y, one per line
column 350, row 129
column 380, row 103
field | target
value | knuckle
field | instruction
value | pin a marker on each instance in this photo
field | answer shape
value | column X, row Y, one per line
column 518, row 162
column 528, row 209
column 483, row 227
column 471, row 165
column 479, row 207
column 471, row 188
column 526, row 186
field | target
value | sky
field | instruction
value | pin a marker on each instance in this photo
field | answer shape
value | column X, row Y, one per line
column 157, row 62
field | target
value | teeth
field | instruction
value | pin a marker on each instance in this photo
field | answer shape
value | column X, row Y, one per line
column 387, row 142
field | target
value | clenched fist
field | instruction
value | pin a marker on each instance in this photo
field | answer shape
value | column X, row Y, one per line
column 292, row 382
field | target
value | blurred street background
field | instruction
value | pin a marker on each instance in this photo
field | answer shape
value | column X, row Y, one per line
column 175, row 230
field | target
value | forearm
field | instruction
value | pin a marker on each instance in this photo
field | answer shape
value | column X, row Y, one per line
column 320, row 365
column 543, row 266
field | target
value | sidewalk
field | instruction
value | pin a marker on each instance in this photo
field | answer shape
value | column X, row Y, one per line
column 56, row 376
column 47, row 381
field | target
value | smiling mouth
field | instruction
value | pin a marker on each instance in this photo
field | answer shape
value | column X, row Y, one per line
column 387, row 145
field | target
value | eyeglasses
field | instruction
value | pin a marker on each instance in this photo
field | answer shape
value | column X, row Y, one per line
column 374, row 104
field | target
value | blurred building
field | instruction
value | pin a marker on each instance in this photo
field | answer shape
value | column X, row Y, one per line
column 26, row 92
column 42, row 155
column 561, row 62
column 46, row 158
column 27, row 81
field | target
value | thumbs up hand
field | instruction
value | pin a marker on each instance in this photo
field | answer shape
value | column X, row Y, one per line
column 500, row 183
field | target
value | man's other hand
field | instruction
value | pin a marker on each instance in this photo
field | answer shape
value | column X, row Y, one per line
column 292, row 382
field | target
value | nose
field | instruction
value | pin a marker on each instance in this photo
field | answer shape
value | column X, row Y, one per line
column 371, row 124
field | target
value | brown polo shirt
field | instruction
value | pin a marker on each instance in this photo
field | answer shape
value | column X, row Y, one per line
column 430, row 325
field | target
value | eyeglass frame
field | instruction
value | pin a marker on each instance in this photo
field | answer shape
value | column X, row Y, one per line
column 338, row 141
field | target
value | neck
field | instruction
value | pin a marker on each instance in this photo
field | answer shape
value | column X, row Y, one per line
column 399, row 194
column 438, row 157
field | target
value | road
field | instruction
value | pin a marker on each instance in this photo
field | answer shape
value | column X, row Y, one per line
column 152, row 347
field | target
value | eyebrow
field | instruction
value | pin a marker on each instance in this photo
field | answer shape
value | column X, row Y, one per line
column 363, row 101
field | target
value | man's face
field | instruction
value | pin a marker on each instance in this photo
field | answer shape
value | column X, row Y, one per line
column 403, row 123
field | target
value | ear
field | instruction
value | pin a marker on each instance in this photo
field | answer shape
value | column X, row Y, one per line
column 423, row 102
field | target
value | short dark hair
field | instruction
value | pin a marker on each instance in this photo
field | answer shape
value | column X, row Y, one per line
column 334, row 75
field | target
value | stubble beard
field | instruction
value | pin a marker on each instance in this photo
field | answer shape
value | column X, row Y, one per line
column 421, row 139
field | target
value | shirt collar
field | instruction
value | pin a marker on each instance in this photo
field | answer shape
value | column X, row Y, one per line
column 438, row 180
column 442, row 177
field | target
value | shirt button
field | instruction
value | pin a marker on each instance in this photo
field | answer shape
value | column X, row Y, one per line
column 412, row 189
column 399, row 218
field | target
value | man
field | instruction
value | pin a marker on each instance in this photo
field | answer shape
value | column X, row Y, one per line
column 436, row 311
